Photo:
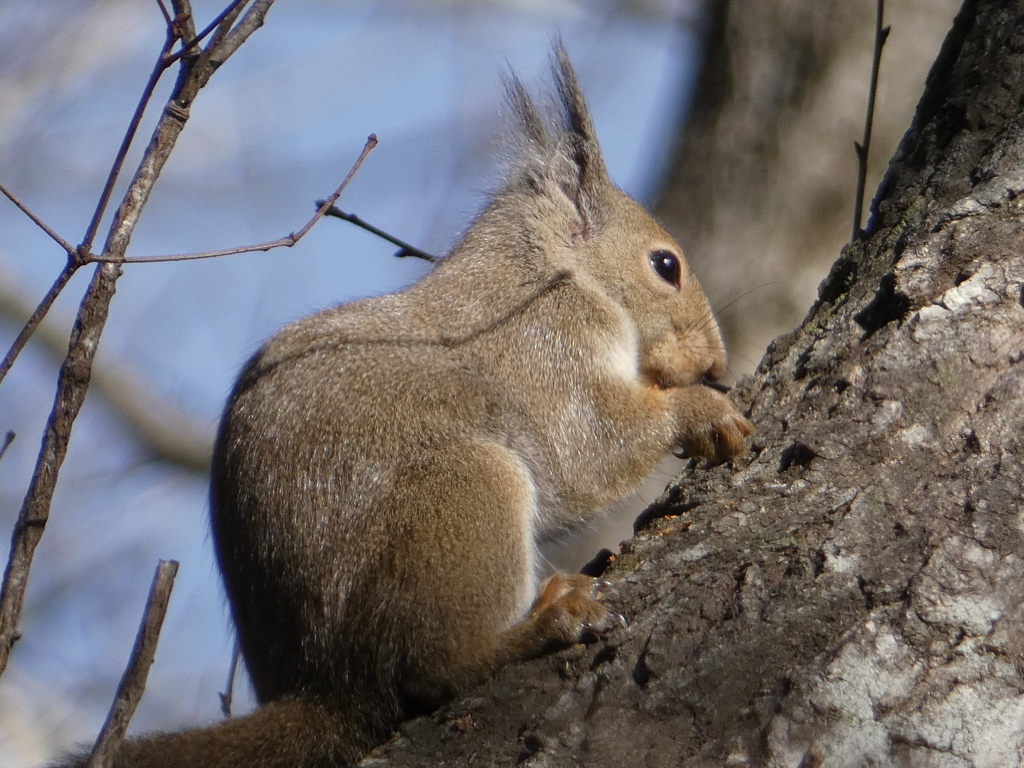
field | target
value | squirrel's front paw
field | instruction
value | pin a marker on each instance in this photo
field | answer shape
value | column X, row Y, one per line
column 712, row 427
column 568, row 610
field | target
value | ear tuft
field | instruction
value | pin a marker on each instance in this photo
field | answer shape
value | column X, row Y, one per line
column 557, row 147
column 578, row 124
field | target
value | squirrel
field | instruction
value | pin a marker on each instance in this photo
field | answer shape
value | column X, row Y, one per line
column 386, row 469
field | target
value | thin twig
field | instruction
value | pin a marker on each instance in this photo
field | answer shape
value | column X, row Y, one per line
column 287, row 241
column 37, row 317
column 133, row 682
column 163, row 9
column 371, row 142
column 8, row 439
column 404, row 248
column 129, row 137
column 229, row 689
column 862, row 148
column 68, row 247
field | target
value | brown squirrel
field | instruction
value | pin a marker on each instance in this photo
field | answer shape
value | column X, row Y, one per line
column 386, row 469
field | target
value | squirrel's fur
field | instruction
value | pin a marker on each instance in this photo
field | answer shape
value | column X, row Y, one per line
column 385, row 469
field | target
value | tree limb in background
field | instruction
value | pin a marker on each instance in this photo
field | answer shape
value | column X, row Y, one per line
column 165, row 431
column 133, row 682
column 196, row 68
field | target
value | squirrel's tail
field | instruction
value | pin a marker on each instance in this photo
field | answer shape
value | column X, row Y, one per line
column 288, row 733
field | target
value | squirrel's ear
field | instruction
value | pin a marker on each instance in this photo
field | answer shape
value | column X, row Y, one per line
column 576, row 165
column 558, row 149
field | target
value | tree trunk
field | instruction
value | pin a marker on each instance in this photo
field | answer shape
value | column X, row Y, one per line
column 852, row 593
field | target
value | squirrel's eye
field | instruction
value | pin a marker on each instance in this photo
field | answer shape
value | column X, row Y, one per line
column 666, row 264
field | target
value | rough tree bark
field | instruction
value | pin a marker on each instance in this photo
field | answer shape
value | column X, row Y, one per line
column 852, row 593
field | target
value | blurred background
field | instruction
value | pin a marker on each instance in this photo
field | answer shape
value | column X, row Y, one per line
column 733, row 120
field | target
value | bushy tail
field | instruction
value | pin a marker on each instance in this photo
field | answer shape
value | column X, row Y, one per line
column 289, row 733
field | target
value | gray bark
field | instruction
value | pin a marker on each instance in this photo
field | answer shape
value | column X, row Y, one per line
column 852, row 593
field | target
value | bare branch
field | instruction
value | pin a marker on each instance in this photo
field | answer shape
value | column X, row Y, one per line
column 287, row 241
column 404, row 249
column 163, row 10
column 68, row 247
column 251, row 21
column 129, row 137
column 8, row 439
column 37, row 317
column 72, row 384
column 184, row 20
column 133, row 683
column 229, row 688
column 227, row 15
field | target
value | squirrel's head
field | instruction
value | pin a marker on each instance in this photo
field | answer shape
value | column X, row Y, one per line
column 583, row 224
